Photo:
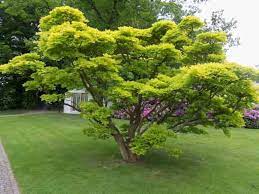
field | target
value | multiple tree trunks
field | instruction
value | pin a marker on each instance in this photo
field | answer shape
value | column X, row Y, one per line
column 126, row 153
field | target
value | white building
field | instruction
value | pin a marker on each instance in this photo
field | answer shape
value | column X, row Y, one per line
column 75, row 97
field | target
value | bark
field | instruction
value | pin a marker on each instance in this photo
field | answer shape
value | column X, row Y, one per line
column 96, row 10
column 126, row 153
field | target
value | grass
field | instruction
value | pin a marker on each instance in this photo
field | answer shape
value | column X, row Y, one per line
column 50, row 155
column 12, row 112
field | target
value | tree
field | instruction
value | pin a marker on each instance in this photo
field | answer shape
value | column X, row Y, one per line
column 19, row 21
column 168, row 78
column 217, row 22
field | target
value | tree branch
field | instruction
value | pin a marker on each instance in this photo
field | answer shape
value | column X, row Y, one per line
column 114, row 13
column 93, row 6
column 74, row 107
column 137, row 118
column 185, row 123
column 141, row 132
column 90, row 88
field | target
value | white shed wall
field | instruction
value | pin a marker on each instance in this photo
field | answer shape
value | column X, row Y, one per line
column 69, row 100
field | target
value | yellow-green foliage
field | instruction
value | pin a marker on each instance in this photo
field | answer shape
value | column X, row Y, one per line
column 190, row 24
column 155, row 137
column 49, row 98
column 99, row 127
column 73, row 40
column 22, row 64
column 60, row 15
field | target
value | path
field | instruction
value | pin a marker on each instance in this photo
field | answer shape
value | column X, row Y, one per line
column 8, row 183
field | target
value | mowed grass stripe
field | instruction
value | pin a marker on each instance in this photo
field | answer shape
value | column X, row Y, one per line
column 50, row 154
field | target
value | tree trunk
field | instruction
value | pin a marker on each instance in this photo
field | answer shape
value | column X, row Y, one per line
column 126, row 153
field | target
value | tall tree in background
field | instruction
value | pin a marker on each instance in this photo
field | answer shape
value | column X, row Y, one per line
column 218, row 22
column 19, row 18
column 19, row 22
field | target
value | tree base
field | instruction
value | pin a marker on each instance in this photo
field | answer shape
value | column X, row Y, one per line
column 127, row 155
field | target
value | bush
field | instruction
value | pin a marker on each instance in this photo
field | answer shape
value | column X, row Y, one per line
column 251, row 118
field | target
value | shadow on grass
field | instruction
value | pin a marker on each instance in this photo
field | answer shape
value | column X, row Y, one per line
column 103, row 156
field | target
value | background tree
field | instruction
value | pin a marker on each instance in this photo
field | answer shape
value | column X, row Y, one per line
column 168, row 78
column 217, row 22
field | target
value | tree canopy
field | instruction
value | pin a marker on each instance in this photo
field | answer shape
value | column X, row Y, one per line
column 166, row 79
column 19, row 20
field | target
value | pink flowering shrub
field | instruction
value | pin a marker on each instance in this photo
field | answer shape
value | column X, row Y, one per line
column 151, row 108
column 251, row 118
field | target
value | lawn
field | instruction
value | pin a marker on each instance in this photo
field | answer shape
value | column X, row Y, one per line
column 50, row 155
column 12, row 112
